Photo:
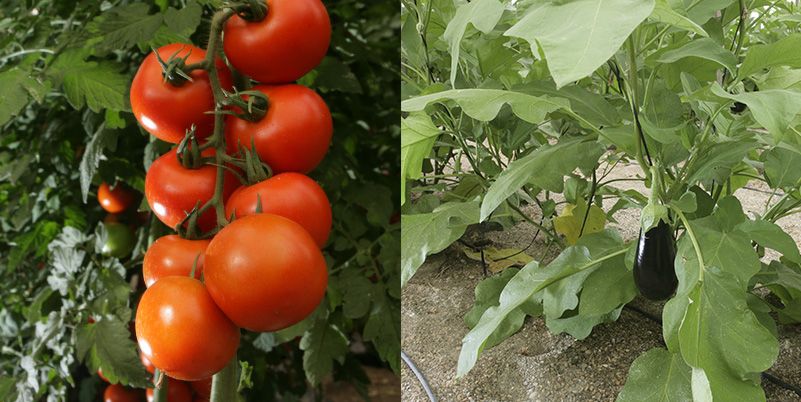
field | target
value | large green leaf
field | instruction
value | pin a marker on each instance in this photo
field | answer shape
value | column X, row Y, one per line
column 484, row 104
column 483, row 14
column 657, row 376
column 704, row 48
column 770, row 235
column 665, row 14
column 782, row 167
column 487, row 294
column 785, row 52
column 589, row 105
column 716, row 160
column 520, row 289
column 709, row 320
column 575, row 50
column 774, row 109
column 426, row 234
column 418, row 135
column 544, row 168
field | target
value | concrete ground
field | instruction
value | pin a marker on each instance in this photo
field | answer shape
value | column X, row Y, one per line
column 534, row 365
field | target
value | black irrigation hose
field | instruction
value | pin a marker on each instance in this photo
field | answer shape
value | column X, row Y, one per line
column 765, row 375
column 419, row 375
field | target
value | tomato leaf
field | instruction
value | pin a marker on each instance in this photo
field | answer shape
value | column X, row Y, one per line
column 113, row 351
column 322, row 345
column 383, row 329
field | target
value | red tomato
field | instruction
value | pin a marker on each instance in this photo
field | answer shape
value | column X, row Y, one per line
column 146, row 362
column 291, row 195
column 114, row 200
column 282, row 47
column 265, row 272
column 166, row 110
column 177, row 391
column 182, row 331
column 173, row 190
column 202, row 388
column 118, row 393
column 294, row 134
column 172, row 255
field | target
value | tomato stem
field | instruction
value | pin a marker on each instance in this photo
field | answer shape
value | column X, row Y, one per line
column 224, row 384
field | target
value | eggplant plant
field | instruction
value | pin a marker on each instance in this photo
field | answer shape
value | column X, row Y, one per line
column 520, row 110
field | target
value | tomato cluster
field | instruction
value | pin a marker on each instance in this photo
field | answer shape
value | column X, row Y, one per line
column 264, row 270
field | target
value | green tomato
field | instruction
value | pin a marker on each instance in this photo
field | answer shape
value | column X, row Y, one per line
column 120, row 241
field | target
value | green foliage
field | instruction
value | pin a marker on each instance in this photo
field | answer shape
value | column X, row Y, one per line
column 523, row 107
column 65, row 69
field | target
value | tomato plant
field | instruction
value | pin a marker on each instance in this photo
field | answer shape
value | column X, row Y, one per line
column 173, row 191
column 168, row 106
column 72, row 119
column 582, row 124
column 296, row 32
column 119, row 241
column 278, row 260
column 284, row 141
column 114, row 200
column 291, row 195
column 173, row 255
column 118, row 393
column 182, row 332
column 177, row 391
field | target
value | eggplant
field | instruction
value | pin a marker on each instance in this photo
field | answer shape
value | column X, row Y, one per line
column 654, row 273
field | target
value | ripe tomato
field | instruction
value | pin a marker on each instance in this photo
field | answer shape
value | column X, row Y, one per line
column 120, row 241
column 265, row 272
column 166, row 110
column 114, row 200
column 172, row 191
column 202, row 388
column 182, row 331
column 294, row 134
column 291, row 195
column 282, row 47
column 172, row 255
column 118, row 393
column 177, row 391
column 146, row 362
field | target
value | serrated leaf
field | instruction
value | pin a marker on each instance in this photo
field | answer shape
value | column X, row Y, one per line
column 15, row 97
column 657, row 376
column 265, row 342
column 125, row 26
column 383, row 330
column 184, row 22
column 90, row 161
column 97, row 85
column 574, row 51
column 114, row 352
column 426, row 234
column 323, row 344
column 482, row 14
column 544, row 168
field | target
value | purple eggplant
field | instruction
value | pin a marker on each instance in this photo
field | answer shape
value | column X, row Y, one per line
column 654, row 273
